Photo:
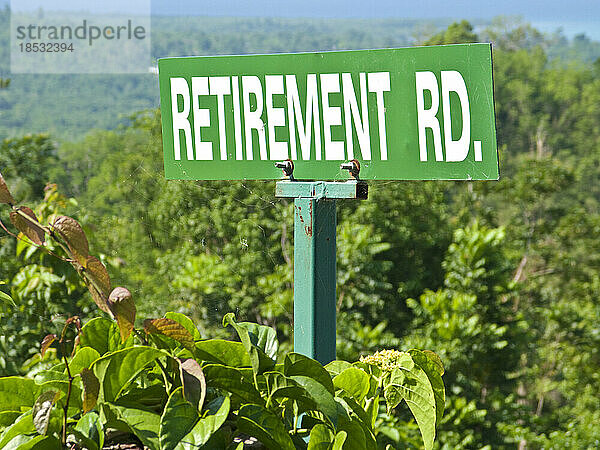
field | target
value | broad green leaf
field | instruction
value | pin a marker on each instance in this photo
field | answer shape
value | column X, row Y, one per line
column 215, row 415
column 42, row 409
column 34, row 443
column 171, row 329
column 258, row 358
column 34, row 232
column 219, row 351
column 263, row 337
column 90, row 427
column 186, row 322
column 144, row 424
column 355, row 382
column 261, row 423
column 8, row 417
column 352, row 406
column 336, row 367
column 102, row 335
column 23, row 425
column 4, row 297
column 83, row 359
column 320, row 395
column 321, row 437
column 436, row 360
column 123, row 307
column 152, row 397
column 413, row 386
column 431, row 367
column 5, row 196
column 278, row 386
column 91, row 390
column 17, row 392
column 178, row 419
column 339, row 440
column 355, row 439
column 116, row 370
column 298, row 364
column 231, row 380
column 193, row 382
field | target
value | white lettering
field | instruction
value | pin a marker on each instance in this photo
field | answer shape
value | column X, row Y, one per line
column 201, row 118
column 332, row 116
column 252, row 119
column 275, row 116
column 221, row 87
column 180, row 87
column 452, row 81
column 426, row 81
column 379, row 82
column 311, row 114
column 351, row 112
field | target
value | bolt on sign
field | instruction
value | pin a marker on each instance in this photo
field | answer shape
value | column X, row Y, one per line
column 421, row 113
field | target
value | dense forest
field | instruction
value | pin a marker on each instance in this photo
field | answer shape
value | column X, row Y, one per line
column 501, row 279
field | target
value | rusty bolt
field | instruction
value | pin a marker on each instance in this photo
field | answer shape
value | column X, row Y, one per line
column 351, row 166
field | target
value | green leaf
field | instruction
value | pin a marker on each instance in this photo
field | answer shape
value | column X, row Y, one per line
column 8, row 417
column 336, row 367
column 23, row 425
column 436, row 360
column 263, row 337
column 178, row 419
column 193, row 382
column 90, row 427
column 355, row 382
column 431, row 367
column 298, row 364
column 258, row 358
column 17, row 392
column 34, row 443
column 4, row 297
column 231, row 380
column 321, row 437
column 42, row 409
column 320, row 395
column 413, row 386
column 171, row 329
column 116, row 370
column 91, row 390
column 279, row 385
column 215, row 415
column 219, row 351
column 102, row 335
column 83, row 359
column 143, row 424
column 186, row 322
column 339, row 441
column 261, row 423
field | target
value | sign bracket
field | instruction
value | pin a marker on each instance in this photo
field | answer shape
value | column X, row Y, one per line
column 315, row 222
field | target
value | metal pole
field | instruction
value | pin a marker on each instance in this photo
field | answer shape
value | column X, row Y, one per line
column 314, row 278
column 314, row 261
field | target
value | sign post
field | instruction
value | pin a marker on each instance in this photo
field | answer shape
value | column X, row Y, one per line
column 421, row 113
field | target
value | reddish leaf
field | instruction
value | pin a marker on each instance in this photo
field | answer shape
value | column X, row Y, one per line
column 100, row 288
column 91, row 390
column 28, row 228
column 47, row 342
column 170, row 328
column 70, row 230
column 123, row 308
column 5, row 196
column 193, row 382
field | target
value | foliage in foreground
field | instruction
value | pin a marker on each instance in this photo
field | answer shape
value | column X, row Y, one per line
column 168, row 388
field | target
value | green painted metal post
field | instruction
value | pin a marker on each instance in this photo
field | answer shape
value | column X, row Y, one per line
column 315, row 222
column 314, row 278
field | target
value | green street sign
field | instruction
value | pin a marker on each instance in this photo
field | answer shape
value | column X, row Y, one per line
column 421, row 113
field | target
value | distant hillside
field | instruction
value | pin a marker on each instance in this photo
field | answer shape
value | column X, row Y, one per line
column 68, row 106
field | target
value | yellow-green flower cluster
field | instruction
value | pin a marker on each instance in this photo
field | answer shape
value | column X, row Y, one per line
column 386, row 360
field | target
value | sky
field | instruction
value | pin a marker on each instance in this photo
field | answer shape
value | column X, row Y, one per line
column 573, row 16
